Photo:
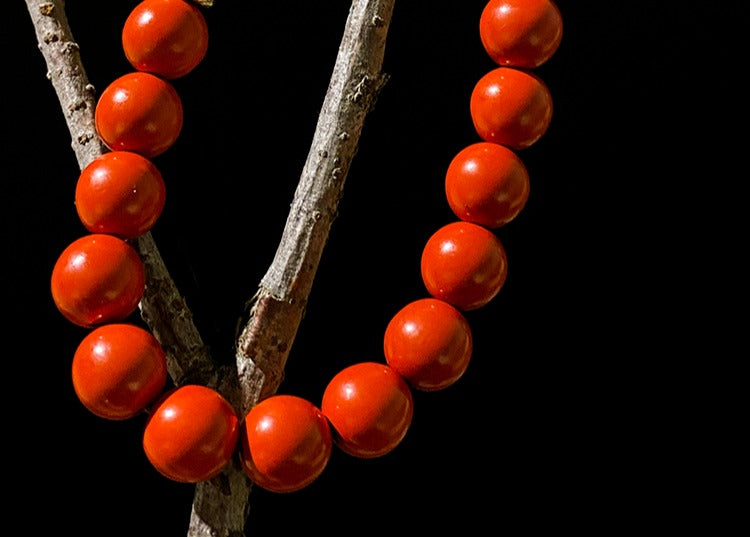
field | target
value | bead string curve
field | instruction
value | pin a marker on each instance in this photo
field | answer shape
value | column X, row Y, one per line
column 119, row 370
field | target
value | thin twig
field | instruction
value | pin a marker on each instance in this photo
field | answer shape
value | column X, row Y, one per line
column 280, row 302
column 264, row 344
column 65, row 72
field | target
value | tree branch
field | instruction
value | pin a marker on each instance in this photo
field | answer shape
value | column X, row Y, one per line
column 280, row 301
column 65, row 72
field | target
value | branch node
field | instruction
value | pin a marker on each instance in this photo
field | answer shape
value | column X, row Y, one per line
column 359, row 90
column 83, row 139
column 78, row 105
column 47, row 9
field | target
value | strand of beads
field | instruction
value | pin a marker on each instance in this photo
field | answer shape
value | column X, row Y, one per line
column 367, row 408
column 119, row 369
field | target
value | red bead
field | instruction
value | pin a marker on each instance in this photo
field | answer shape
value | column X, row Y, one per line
column 370, row 408
column 118, row 369
column 487, row 184
column 139, row 112
column 511, row 107
column 286, row 443
column 464, row 264
column 120, row 193
column 521, row 33
column 97, row 279
column 166, row 37
column 429, row 343
column 191, row 434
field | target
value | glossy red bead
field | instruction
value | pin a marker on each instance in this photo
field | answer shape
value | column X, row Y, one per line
column 120, row 193
column 286, row 443
column 166, row 37
column 118, row 369
column 487, row 184
column 370, row 408
column 98, row 278
column 464, row 264
column 191, row 434
column 429, row 343
column 511, row 107
column 139, row 112
column 521, row 33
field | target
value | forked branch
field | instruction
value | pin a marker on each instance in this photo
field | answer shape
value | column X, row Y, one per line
column 220, row 506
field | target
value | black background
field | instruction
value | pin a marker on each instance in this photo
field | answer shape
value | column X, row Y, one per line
column 573, row 412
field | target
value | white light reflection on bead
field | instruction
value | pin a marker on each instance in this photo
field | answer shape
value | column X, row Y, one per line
column 448, row 247
column 120, row 96
column 145, row 17
column 78, row 261
column 471, row 166
column 266, row 424
column 100, row 351
column 349, row 390
column 99, row 176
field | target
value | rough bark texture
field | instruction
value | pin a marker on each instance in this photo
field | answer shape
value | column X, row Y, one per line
column 280, row 302
column 221, row 505
column 65, row 72
column 170, row 320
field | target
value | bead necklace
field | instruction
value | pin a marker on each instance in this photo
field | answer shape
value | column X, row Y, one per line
column 285, row 441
